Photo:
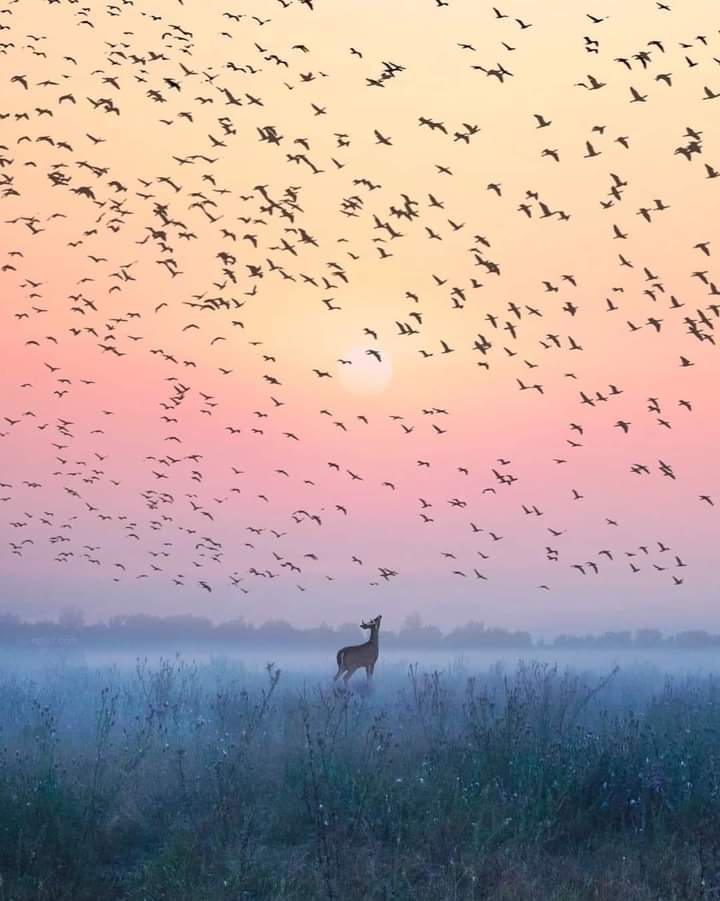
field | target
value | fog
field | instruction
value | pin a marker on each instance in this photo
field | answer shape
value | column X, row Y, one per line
column 321, row 663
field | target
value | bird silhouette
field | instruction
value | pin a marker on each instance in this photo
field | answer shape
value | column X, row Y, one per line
column 240, row 198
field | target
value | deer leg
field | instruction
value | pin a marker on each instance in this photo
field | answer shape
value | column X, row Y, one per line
column 341, row 665
column 348, row 673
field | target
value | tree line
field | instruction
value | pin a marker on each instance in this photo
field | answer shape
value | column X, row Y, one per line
column 137, row 628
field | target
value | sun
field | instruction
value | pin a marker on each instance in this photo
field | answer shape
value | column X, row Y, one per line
column 363, row 373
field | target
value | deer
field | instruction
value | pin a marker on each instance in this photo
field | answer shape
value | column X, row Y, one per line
column 353, row 657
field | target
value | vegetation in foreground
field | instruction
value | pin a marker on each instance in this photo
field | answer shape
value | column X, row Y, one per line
column 203, row 783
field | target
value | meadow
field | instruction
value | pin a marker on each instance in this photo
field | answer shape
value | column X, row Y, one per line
column 187, row 781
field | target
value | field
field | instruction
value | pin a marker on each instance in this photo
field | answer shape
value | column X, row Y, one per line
column 181, row 781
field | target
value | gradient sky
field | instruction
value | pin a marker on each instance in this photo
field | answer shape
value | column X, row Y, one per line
column 102, row 506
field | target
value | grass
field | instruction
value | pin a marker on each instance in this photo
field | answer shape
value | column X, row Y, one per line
column 186, row 782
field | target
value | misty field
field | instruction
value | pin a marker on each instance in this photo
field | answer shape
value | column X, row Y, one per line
column 202, row 782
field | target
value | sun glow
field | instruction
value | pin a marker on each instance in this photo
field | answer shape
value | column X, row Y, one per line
column 362, row 372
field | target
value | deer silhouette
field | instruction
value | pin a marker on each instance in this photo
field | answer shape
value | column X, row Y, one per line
column 354, row 656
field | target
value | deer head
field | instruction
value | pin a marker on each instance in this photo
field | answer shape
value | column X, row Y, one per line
column 372, row 624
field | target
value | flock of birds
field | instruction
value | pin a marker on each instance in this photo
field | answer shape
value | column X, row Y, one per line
column 203, row 213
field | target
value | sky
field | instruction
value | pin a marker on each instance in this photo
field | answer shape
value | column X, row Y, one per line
column 302, row 300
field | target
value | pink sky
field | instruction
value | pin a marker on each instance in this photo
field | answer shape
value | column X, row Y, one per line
column 95, row 267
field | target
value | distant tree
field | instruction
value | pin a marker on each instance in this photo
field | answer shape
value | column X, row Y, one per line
column 415, row 634
column 475, row 635
column 277, row 629
column 574, row 641
column 319, row 635
column 136, row 626
column 648, row 638
column 614, row 640
column 71, row 618
column 188, row 626
column 11, row 626
column 234, row 629
column 10, row 619
column 695, row 638
column 412, row 621
column 472, row 633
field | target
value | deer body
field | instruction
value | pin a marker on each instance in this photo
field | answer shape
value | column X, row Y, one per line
column 354, row 656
